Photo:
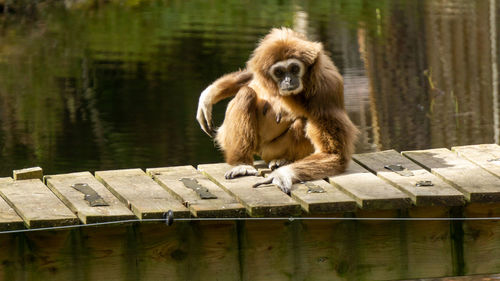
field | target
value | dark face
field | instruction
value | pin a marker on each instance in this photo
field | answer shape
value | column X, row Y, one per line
column 288, row 76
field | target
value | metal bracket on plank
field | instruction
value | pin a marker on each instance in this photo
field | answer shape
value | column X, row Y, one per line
column 400, row 170
column 495, row 160
column 424, row 183
column 312, row 188
column 91, row 196
column 202, row 191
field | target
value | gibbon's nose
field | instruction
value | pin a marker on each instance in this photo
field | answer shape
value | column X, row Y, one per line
column 287, row 84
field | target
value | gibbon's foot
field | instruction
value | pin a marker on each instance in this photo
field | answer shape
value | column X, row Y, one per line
column 282, row 177
column 241, row 170
column 275, row 164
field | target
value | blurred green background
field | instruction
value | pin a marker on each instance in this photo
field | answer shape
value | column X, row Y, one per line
column 95, row 85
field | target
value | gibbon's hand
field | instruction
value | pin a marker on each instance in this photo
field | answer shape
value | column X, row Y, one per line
column 282, row 177
column 240, row 171
column 204, row 113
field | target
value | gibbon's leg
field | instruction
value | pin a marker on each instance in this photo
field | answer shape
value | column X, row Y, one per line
column 237, row 136
column 291, row 146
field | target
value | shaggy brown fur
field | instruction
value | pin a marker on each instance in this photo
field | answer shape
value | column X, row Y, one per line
column 313, row 118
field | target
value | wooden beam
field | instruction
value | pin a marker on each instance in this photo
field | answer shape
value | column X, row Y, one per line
column 62, row 186
column 475, row 183
column 263, row 201
column 144, row 197
column 223, row 205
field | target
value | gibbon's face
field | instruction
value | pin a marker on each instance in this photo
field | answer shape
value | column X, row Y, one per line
column 288, row 76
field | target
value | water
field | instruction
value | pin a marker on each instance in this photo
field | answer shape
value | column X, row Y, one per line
column 89, row 85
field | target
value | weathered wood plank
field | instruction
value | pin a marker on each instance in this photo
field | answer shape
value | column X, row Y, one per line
column 380, row 251
column 145, row 197
column 35, row 203
column 9, row 219
column 28, row 173
column 263, row 201
column 224, row 205
column 481, row 239
column 487, row 156
column 439, row 194
column 61, row 185
column 369, row 191
column 475, row 183
column 40, row 255
column 187, row 251
column 319, row 197
column 428, row 243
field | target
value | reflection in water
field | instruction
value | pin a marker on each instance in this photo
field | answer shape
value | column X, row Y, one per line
column 90, row 86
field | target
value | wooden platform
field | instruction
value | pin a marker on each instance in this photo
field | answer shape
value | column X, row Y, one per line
column 461, row 182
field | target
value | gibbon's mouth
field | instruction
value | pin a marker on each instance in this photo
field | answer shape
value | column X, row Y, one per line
column 290, row 91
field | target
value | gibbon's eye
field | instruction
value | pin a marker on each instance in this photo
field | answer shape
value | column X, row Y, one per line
column 278, row 72
column 294, row 69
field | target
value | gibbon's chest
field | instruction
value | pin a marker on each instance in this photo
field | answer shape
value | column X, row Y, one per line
column 273, row 117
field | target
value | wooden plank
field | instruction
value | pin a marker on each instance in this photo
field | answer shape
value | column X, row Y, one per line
column 481, row 239
column 369, row 191
column 439, row 194
column 329, row 200
column 207, row 250
column 271, row 250
column 263, row 201
column 28, row 173
column 487, row 156
column 475, row 183
column 9, row 219
column 144, row 197
column 428, row 243
column 61, row 185
column 222, row 206
column 35, row 203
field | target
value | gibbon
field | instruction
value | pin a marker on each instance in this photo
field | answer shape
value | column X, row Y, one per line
column 288, row 108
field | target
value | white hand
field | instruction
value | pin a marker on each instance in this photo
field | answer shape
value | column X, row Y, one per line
column 204, row 113
column 283, row 177
column 241, row 170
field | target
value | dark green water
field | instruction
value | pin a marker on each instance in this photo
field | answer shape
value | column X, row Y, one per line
column 94, row 85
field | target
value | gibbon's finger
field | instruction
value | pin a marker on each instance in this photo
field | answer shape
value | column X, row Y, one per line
column 240, row 171
column 284, row 186
column 200, row 117
column 204, row 127
column 204, row 124
column 209, row 122
column 268, row 180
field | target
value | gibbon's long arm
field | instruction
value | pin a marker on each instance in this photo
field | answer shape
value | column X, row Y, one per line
column 224, row 87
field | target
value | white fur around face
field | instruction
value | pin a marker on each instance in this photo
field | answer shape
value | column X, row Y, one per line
column 285, row 64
